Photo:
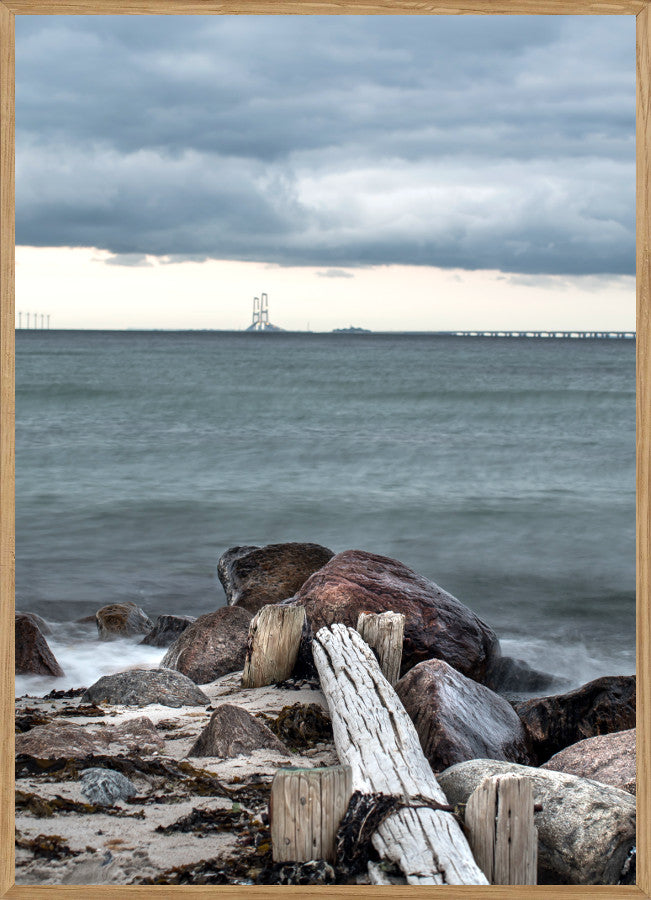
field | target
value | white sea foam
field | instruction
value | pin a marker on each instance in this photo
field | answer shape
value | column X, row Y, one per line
column 84, row 659
column 571, row 661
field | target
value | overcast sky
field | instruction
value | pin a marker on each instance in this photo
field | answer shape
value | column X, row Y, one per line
column 416, row 172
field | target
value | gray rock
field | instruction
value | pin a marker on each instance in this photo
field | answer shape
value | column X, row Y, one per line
column 609, row 758
column 139, row 687
column 167, row 629
column 212, row 646
column 233, row 731
column 586, row 830
column 104, row 786
column 457, row 719
column 122, row 620
column 253, row 577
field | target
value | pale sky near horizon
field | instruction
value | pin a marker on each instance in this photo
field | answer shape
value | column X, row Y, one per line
column 416, row 173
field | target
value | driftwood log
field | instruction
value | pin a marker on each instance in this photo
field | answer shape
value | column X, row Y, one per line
column 377, row 739
column 273, row 644
column 384, row 633
column 501, row 830
column 305, row 810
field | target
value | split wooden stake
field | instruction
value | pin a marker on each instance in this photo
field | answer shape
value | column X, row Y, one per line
column 384, row 633
column 273, row 645
column 305, row 809
column 502, row 834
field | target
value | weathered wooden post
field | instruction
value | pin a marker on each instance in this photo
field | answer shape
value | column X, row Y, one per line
column 384, row 633
column 274, row 641
column 501, row 830
column 305, row 809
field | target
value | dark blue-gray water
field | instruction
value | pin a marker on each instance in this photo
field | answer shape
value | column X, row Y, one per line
column 503, row 469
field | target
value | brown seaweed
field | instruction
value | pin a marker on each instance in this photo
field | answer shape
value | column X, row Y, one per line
column 48, row 846
column 46, row 807
column 205, row 821
column 300, row 725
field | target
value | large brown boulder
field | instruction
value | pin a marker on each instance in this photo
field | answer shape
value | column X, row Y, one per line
column 77, row 741
column 233, row 731
column 458, row 719
column 436, row 623
column 122, row 620
column 599, row 707
column 212, row 646
column 140, row 687
column 586, row 830
column 609, row 758
column 253, row 577
column 167, row 629
column 33, row 655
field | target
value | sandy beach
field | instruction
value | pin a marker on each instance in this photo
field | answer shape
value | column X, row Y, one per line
column 127, row 845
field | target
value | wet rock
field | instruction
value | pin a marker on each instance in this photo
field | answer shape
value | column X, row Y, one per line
column 507, row 675
column 233, row 731
column 458, row 719
column 39, row 621
column 122, row 620
column 436, row 623
column 609, row 758
column 139, row 687
column 586, row 830
column 33, row 655
column 212, row 646
column 77, row 741
column 252, row 577
column 599, row 707
column 105, row 786
column 166, row 630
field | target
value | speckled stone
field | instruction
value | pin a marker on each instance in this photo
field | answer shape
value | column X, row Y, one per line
column 139, row 687
column 609, row 758
column 122, row 620
column 104, row 786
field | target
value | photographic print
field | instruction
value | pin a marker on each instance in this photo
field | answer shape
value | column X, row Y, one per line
column 325, row 450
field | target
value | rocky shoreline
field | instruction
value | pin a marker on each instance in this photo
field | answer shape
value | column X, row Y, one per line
column 187, row 754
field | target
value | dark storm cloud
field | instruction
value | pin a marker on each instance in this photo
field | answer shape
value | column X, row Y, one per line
column 336, row 142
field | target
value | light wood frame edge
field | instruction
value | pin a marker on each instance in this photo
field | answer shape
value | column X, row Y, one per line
column 640, row 8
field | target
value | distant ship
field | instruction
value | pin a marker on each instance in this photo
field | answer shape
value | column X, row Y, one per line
column 260, row 321
column 351, row 330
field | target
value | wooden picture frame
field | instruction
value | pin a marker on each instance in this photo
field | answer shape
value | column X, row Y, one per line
column 8, row 10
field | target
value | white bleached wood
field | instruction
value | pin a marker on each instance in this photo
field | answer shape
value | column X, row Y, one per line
column 273, row 645
column 384, row 633
column 377, row 739
column 305, row 809
column 502, row 834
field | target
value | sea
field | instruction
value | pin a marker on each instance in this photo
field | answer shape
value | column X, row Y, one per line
column 501, row 468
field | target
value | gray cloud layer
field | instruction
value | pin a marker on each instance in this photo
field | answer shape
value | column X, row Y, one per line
column 336, row 142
